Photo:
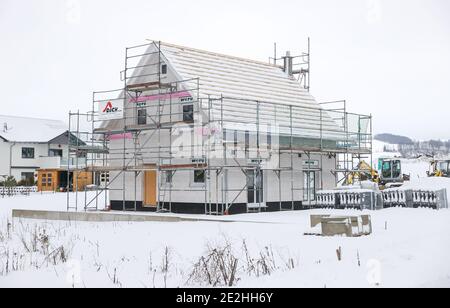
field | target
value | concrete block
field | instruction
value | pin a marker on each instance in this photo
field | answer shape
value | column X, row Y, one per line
column 336, row 228
column 367, row 224
column 317, row 220
column 351, row 226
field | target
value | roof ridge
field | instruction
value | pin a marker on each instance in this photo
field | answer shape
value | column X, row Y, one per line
column 219, row 54
column 30, row 118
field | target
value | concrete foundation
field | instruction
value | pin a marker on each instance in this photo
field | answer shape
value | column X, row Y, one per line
column 115, row 217
column 96, row 217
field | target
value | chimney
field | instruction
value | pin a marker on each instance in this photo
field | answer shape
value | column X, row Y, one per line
column 5, row 127
column 288, row 63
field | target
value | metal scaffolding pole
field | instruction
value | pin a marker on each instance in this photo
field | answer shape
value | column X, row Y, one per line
column 77, row 172
column 292, row 157
column 69, row 144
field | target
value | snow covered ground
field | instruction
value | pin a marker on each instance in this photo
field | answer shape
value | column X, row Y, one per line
column 416, row 168
column 409, row 248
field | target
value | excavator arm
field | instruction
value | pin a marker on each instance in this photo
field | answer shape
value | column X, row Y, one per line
column 363, row 172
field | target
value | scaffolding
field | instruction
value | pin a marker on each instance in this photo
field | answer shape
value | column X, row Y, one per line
column 141, row 141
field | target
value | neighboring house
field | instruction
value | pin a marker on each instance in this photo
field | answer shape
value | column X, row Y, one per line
column 29, row 145
column 228, row 105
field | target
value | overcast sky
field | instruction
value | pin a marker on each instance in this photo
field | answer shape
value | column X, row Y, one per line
column 389, row 58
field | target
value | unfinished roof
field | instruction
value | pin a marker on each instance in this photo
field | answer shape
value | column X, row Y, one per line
column 23, row 129
column 236, row 77
column 250, row 90
column 244, row 79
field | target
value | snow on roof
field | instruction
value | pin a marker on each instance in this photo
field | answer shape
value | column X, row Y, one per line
column 247, row 79
column 236, row 77
column 23, row 129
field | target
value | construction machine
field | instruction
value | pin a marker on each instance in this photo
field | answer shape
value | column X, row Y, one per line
column 363, row 172
column 440, row 168
column 390, row 174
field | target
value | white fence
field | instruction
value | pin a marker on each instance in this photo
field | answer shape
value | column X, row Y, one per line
column 17, row 191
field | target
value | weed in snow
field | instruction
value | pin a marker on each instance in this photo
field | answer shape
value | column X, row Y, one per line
column 31, row 246
column 224, row 266
column 38, row 245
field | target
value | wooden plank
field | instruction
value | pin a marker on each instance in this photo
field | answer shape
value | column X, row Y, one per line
column 144, row 85
column 148, row 86
column 184, row 166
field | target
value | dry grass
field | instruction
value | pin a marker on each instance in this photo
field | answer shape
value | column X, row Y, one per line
column 30, row 246
column 33, row 245
column 223, row 266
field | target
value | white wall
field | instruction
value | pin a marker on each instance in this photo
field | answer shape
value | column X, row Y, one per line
column 19, row 164
column 17, row 173
column 18, row 161
column 4, row 157
column 194, row 193
column 148, row 72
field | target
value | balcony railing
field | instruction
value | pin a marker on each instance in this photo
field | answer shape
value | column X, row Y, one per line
column 56, row 162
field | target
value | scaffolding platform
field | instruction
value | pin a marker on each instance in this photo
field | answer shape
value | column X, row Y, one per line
column 148, row 86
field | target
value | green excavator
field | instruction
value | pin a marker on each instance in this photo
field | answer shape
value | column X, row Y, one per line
column 390, row 174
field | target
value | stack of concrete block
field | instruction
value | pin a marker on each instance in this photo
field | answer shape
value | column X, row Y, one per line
column 350, row 226
column 349, row 199
column 435, row 199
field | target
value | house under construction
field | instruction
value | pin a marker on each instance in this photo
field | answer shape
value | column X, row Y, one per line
column 194, row 131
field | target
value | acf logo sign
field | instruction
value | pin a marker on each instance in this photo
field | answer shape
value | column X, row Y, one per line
column 110, row 110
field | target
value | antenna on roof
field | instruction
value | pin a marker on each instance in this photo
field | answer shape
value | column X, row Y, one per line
column 274, row 59
column 302, row 68
column 275, row 51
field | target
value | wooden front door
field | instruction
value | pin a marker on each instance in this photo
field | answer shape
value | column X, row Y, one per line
column 150, row 189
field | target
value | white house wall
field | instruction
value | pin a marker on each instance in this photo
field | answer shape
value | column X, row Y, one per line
column 31, row 164
column 20, row 165
column 185, row 191
column 170, row 105
column 4, row 158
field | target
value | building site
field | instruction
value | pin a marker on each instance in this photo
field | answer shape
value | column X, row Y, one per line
column 198, row 132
